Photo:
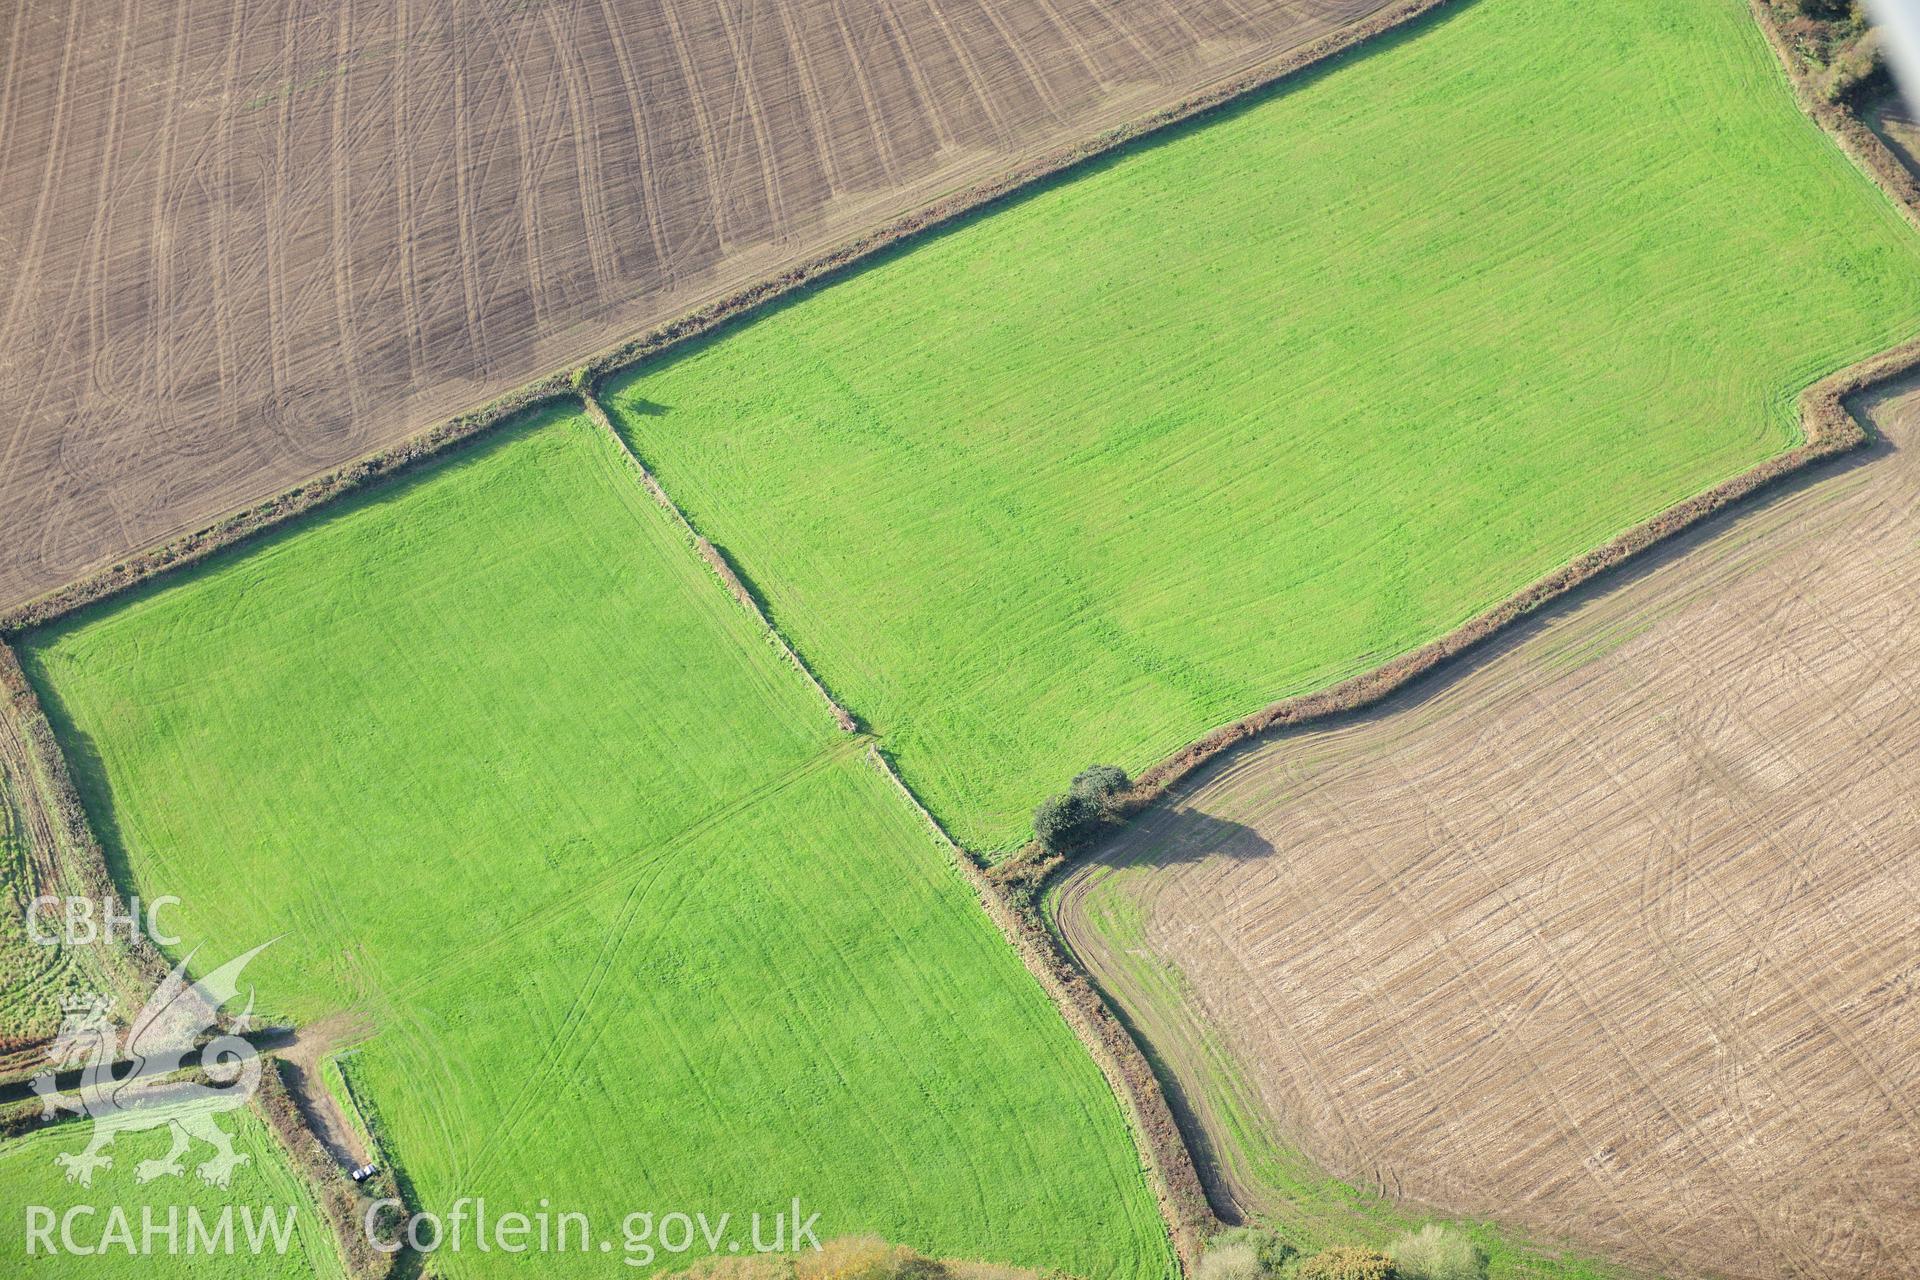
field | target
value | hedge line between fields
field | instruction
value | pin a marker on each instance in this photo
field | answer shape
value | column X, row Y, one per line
column 1163, row 1151
column 715, row 561
column 1830, row 429
column 304, row 497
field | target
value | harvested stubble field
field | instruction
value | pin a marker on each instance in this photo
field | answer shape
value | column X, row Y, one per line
column 247, row 242
column 30, row 1176
column 1260, row 404
column 636, row 926
column 1614, row 935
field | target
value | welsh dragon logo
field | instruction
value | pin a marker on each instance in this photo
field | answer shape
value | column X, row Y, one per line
column 163, row 1039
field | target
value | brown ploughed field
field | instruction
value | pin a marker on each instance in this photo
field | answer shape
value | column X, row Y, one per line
column 244, row 242
column 1613, row 932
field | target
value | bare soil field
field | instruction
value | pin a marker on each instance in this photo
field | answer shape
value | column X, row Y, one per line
column 245, row 243
column 1610, row 934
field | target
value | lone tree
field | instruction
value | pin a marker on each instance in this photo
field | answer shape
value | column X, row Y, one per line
column 1064, row 821
column 1061, row 822
column 1099, row 783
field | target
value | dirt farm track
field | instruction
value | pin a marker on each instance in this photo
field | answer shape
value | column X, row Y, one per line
column 1613, row 933
column 245, row 242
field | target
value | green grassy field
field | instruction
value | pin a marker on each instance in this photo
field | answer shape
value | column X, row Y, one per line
column 268, row 1250
column 504, row 767
column 1260, row 405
